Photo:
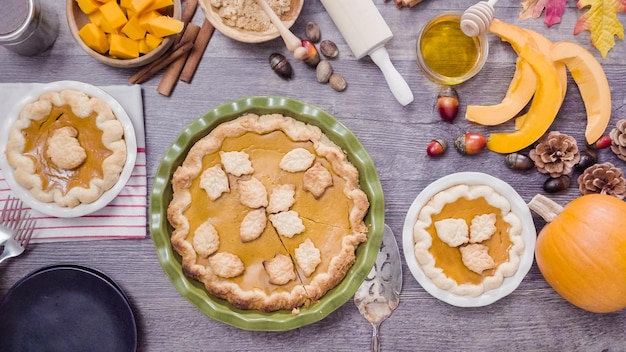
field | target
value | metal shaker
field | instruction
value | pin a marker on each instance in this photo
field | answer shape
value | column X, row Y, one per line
column 27, row 27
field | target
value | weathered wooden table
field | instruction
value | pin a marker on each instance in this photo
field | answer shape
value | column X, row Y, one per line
column 533, row 317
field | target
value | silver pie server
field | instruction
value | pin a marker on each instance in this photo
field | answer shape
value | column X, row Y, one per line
column 379, row 295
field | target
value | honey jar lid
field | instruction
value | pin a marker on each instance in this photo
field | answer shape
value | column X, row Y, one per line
column 14, row 14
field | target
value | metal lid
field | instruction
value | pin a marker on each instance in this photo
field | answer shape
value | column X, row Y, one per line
column 15, row 16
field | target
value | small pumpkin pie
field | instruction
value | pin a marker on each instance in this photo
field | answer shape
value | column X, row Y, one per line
column 467, row 239
column 267, row 213
column 66, row 147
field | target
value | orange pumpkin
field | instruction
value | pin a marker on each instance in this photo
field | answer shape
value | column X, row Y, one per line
column 581, row 251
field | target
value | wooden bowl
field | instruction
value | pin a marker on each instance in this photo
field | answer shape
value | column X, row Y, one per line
column 76, row 19
column 248, row 36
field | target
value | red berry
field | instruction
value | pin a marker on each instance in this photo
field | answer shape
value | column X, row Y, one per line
column 602, row 142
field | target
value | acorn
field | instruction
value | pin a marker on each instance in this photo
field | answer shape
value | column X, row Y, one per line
column 470, row 143
column 558, row 184
column 281, row 65
column 588, row 157
column 448, row 104
column 307, row 53
column 517, row 161
column 436, row 147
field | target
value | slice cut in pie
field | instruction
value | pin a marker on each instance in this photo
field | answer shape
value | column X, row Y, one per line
column 267, row 213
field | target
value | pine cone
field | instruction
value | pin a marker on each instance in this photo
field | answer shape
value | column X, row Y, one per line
column 555, row 154
column 602, row 178
column 618, row 139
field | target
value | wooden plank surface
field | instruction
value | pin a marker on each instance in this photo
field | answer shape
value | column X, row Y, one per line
column 533, row 317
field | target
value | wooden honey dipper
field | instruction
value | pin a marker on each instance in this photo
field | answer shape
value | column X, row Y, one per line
column 477, row 18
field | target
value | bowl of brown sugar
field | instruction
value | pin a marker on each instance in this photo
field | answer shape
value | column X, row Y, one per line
column 245, row 21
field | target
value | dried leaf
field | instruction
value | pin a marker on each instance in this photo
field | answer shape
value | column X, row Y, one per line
column 534, row 8
column 602, row 23
column 530, row 9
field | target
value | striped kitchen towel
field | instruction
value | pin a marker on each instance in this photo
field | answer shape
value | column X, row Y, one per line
column 126, row 215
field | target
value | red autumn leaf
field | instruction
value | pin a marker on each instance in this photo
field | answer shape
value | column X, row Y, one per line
column 533, row 9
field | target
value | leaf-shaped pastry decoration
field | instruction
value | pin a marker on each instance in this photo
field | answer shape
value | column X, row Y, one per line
column 601, row 22
column 534, row 8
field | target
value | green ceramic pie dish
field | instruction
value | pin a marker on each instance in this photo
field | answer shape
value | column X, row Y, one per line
column 194, row 291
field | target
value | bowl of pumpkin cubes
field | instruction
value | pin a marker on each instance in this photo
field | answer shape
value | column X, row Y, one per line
column 124, row 33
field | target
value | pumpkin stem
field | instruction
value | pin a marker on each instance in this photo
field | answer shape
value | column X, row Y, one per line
column 545, row 207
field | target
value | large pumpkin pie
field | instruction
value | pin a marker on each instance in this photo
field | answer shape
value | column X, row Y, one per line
column 267, row 213
column 467, row 239
column 66, row 147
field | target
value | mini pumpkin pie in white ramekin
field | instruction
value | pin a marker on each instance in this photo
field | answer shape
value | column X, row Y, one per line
column 469, row 239
column 70, row 148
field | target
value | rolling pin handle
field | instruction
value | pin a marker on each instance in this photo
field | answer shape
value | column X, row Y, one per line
column 399, row 88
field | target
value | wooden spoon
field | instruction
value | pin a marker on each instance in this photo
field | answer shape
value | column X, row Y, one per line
column 291, row 41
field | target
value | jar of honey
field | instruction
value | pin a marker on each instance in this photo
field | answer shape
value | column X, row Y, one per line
column 445, row 54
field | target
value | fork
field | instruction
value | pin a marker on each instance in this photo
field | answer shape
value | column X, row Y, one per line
column 16, row 245
column 10, row 218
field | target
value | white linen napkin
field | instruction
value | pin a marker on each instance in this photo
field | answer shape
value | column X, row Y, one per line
column 125, row 216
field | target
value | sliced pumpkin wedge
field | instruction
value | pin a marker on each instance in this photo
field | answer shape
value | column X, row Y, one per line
column 591, row 80
column 543, row 108
column 545, row 46
column 521, row 88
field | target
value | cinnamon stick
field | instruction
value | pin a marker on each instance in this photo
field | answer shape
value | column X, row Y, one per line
column 189, row 10
column 147, row 72
column 170, row 77
column 196, row 53
column 187, row 15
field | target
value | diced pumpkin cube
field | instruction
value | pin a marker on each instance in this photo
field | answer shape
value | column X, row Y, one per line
column 88, row 6
column 133, row 30
column 107, row 27
column 144, row 18
column 94, row 37
column 153, row 41
column 159, row 4
column 125, row 4
column 123, row 47
column 96, row 18
column 144, row 48
column 104, row 1
column 114, row 14
column 163, row 26
column 130, row 12
column 140, row 5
